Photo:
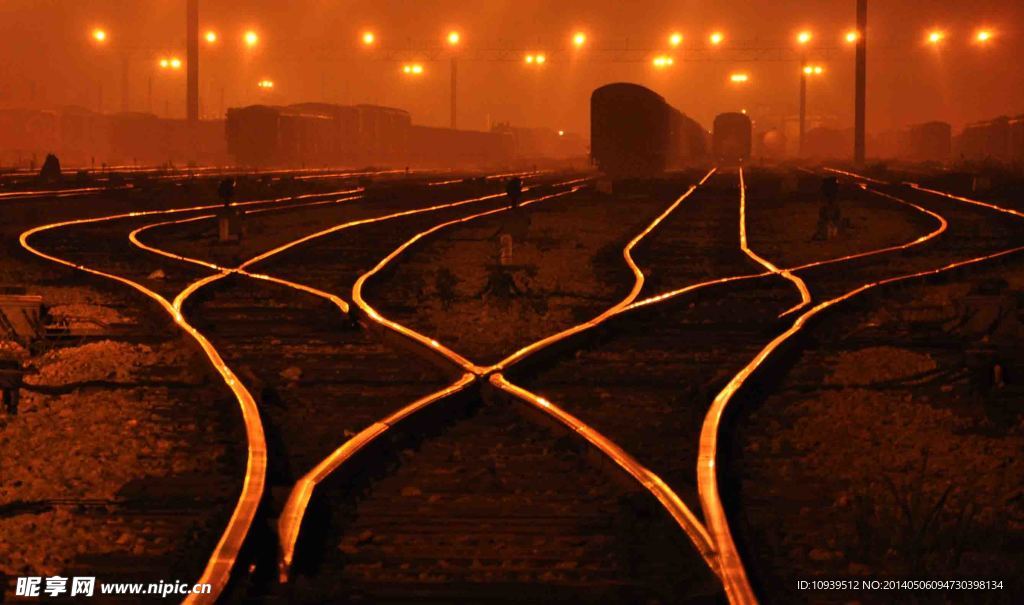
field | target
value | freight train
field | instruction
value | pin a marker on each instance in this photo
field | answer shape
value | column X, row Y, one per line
column 732, row 137
column 324, row 134
column 1001, row 140
column 635, row 133
column 83, row 138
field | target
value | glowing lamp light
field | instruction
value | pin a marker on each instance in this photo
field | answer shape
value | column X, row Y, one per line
column 99, row 35
column 454, row 38
column 369, row 38
column 803, row 37
column 265, row 84
column 164, row 63
column 675, row 39
column 412, row 69
column 211, row 37
column 175, row 63
column 662, row 61
column 936, row 36
column 561, row 133
column 716, row 38
column 983, row 36
column 579, row 39
column 251, row 38
column 541, row 59
column 739, row 78
column 852, row 36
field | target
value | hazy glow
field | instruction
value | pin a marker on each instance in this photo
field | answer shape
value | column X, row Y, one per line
column 211, row 37
column 251, row 38
column 265, row 84
column 175, row 63
column 541, row 59
column 716, row 38
column 983, row 35
column 662, row 61
column 803, row 37
column 675, row 39
column 852, row 36
column 412, row 69
column 454, row 38
column 99, row 35
column 579, row 39
column 936, row 36
column 164, row 63
column 369, row 38
column 739, row 78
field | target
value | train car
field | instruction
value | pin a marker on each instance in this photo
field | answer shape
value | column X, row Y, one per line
column 629, row 131
column 383, row 133
column 84, row 136
column 732, row 136
column 930, row 141
column 135, row 138
column 449, row 148
column 343, row 138
column 990, row 140
column 27, row 135
column 688, row 140
column 261, row 135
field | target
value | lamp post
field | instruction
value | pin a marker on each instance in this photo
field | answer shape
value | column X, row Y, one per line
column 802, row 39
column 453, row 41
column 860, row 93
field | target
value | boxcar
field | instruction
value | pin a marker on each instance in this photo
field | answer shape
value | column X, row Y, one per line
column 630, row 129
column 732, row 136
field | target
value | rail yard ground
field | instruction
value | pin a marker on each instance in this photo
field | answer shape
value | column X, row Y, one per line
column 354, row 338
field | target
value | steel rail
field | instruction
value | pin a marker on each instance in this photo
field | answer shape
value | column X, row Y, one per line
column 738, row 588
column 805, row 294
column 431, row 344
column 665, row 495
column 218, row 568
column 638, row 284
column 293, row 513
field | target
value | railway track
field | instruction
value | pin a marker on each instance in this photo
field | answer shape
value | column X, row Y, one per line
column 501, row 454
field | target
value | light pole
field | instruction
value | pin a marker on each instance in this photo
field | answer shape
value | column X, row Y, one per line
column 860, row 94
column 802, row 39
column 192, row 59
column 453, row 42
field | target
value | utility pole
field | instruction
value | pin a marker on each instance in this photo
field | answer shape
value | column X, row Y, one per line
column 803, row 100
column 860, row 100
column 192, row 42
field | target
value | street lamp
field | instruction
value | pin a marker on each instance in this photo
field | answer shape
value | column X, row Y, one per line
column 535, row 59
column 412, row 69
column 369, row 38
column 804, row 37
column 99, row 35
column 453, row 39
column 579, row 39
column 935, row 37
column 675, row 39
column 716, row 38
column 806, row 71
column 265, row 84
column 739, row 78
column 251, row 38
column 210, row 36
column 662, row 62
column 983, row 36
column 852, row 36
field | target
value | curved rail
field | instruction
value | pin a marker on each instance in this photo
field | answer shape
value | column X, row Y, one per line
column 220, row 564
column 638, row 284
column 430, row 343
column 668, row 498
column 290, row 521
column 737, row 585
column 805, row 294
